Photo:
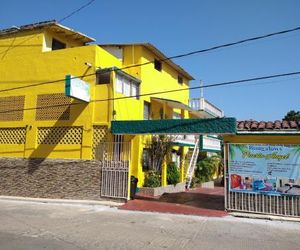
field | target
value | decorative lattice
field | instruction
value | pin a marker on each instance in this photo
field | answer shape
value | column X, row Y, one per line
column 99, row 136
column 11, row 108
column 59, row 135
column 53, row 107
column 12, row 135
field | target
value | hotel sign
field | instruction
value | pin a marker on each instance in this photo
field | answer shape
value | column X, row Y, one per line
column 210, row 143
column 76, row 88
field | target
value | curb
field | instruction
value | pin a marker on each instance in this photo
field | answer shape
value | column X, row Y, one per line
column 62, row 201
column 265, row 217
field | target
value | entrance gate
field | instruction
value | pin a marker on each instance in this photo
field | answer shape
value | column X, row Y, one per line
column 114, row 158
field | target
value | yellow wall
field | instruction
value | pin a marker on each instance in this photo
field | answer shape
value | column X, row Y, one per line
column 27, row 64
column 26, row 43
column 26, row 58
column 154, row 80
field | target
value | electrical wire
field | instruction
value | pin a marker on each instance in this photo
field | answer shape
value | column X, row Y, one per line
column 167, row 58
column 167, row 91
column 76, row 11
column 60, row 20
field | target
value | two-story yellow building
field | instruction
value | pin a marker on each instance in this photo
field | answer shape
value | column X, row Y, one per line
column 46, row 133
column 59, row 94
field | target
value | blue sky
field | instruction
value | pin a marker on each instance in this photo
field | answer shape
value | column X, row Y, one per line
column 177, row 26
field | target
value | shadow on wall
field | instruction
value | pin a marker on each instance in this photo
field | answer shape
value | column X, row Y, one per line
column 44, row 148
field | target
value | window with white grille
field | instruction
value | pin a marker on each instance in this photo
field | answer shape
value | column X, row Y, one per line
column 127, row 86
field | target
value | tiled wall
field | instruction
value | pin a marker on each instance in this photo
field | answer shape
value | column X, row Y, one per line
column 50, row 178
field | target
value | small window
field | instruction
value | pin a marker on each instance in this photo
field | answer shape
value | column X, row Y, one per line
column 157, row 64
column 180, row 80
column 103, row 76
column 146, row 160
column 146, row 111
column 57, row 45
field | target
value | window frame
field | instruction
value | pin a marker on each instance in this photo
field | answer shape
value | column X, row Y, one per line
column 180, row 79
column 59, row 44
column 157, row 65
column 125, row 85
column 148, row 104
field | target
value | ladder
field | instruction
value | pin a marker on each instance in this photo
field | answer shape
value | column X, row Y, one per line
column 192, row 164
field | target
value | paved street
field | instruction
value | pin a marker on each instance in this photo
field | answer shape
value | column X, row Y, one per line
column 26, row 225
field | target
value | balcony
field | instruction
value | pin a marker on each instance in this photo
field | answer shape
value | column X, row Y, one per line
column 208, row 109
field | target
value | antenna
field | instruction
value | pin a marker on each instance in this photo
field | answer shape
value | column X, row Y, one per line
column 201, row 89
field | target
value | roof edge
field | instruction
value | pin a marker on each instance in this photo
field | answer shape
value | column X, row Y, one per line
column 40, row 25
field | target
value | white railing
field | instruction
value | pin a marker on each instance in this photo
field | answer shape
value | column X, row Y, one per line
column 202, row 104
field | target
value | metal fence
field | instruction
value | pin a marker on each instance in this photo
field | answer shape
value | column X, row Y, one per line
column 114, row 158
column 263, row 204
column 281, row 205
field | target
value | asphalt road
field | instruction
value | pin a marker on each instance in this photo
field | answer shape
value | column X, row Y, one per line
column 28, row 225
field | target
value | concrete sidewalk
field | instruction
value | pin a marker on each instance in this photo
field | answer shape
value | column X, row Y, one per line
column 109, row 203
column 32, row 225
column 199, row 201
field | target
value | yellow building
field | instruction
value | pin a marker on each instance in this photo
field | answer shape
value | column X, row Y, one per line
column 49, row 134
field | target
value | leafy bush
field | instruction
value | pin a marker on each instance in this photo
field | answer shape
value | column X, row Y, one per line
column 194, row 181
column 152, row 179
column 158, row 148
column 173, row 175
column 206, row 168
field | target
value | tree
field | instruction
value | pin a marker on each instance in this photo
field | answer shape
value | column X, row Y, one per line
column 292, row 115
column 158, row 148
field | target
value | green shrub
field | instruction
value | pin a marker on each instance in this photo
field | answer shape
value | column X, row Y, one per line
column 152, row 179
column 173, row 175
column 206, row 168
column 194, row 181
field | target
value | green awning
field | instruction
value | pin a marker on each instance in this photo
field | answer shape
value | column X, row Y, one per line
column 175, row 126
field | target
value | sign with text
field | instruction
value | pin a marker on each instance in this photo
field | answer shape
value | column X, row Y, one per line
column 210, row 143
column 76, row 88
column 262, row 168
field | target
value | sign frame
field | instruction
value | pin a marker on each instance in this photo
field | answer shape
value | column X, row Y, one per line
column 77, row 88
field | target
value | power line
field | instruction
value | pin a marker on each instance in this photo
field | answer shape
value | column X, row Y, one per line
column 60, row 20
column 167, row 58
column 167, row 91
column 76, row 11
column 207, row 86
column 236, row 43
